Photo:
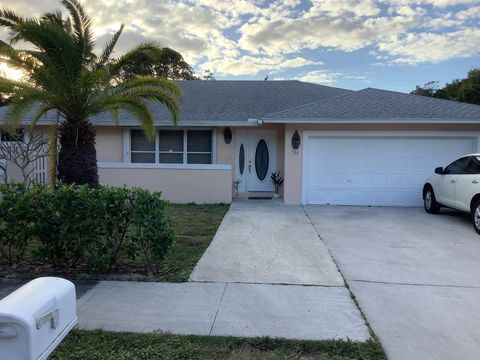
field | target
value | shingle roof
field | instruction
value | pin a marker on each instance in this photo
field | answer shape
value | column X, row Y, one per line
column 222, row 102
column 218, row 103
column 375, row 105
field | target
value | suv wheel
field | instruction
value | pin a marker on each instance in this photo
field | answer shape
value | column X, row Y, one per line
column 430, row 203
column 476, row 216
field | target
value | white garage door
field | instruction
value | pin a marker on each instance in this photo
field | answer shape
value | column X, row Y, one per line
column 375, row 170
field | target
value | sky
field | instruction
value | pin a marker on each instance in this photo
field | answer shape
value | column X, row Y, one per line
column 354, row 44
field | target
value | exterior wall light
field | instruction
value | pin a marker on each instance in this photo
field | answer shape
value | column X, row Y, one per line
column 227, row 135
column 296, row 140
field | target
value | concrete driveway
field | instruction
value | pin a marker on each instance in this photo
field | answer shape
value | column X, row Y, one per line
column 415, row 276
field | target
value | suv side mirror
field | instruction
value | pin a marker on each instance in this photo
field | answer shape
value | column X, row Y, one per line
column 439, row 171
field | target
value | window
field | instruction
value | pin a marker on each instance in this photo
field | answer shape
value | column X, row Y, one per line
column 199, row 147
column 474, row 165
column 457, row 167
column 172, row 147
column 18, row 136
column 142, row 150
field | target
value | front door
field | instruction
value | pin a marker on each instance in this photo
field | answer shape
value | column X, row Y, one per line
column 260, row 159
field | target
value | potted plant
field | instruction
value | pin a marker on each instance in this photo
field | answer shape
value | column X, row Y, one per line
column 236, row 185
column 277, row 181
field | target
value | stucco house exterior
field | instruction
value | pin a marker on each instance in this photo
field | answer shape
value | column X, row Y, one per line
column 367, row 147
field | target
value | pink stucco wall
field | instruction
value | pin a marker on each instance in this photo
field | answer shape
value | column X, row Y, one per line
column 109, row 144
column 176, row 185
column 292, row 186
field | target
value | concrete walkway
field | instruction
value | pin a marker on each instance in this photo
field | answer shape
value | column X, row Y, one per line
column 224, row 309
column 267, row 242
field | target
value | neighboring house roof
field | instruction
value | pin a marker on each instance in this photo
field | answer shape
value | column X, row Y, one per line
column 224, row 102
column 375, row 105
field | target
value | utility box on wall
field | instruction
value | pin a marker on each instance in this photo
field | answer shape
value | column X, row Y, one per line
column 35, row 318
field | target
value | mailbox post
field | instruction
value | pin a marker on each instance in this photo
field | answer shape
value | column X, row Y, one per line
column 36, row 318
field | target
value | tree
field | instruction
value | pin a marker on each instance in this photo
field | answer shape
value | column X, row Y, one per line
column 63, row 74
column 209, row 75
column 469, row 90
column 169, row 64
column 429, row 89
column 463, row 90
column 23, row 152
column 3, row 96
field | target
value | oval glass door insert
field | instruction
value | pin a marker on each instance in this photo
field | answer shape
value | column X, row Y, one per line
column 241, row 159
column 262, row 159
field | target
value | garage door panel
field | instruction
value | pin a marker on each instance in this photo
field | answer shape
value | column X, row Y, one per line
column 375, row 170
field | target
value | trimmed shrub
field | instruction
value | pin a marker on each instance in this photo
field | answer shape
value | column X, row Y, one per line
column 18, row 223
column 151, row 235
column 117, row 208
column 70, row 222
column 79, row 226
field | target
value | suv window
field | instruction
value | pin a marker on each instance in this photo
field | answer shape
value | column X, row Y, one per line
column 458, row 166
column 474, row 165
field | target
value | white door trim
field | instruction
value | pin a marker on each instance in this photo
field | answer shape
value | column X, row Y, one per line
column 307, row 134
column 240, row 138
column 252, row 137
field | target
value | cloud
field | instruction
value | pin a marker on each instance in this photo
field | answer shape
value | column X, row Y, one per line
column 252, row 65
column 432, row 47
column 323, row 77
column 471, row 13
column 435, row 3
column 246, row 37
column 317, row 28
column 337, row 8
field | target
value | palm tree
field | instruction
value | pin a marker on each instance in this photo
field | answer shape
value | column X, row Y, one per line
column 64, row 76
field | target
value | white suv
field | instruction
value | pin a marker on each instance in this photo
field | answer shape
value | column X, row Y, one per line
column 456, row 186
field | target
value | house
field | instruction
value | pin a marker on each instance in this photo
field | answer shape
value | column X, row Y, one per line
column 367, row 147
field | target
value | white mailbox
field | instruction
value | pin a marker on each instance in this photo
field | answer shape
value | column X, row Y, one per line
column 35, row 318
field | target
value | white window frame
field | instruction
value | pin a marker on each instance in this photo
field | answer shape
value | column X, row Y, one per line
column 154, row 151
column 127, row 146
column 157, row 158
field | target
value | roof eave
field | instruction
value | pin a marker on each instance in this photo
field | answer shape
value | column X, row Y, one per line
column 372, row 121
column 179, row 124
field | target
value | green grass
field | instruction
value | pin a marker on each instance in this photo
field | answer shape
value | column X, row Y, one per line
column 194, row 226
column 87, row 345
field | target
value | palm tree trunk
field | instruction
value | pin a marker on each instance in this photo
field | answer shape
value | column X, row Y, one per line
column 77, row 158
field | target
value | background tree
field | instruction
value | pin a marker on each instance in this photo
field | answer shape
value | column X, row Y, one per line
column 463, row 90
column 22, row 151
column 209, row 75
column 429, row 89
column 64, row 75
column 167, row 64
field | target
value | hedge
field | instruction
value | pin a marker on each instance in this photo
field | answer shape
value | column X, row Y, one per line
column 71, row 226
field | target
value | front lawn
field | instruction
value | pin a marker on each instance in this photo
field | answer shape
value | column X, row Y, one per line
column 87, row 345
column 194, row 227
